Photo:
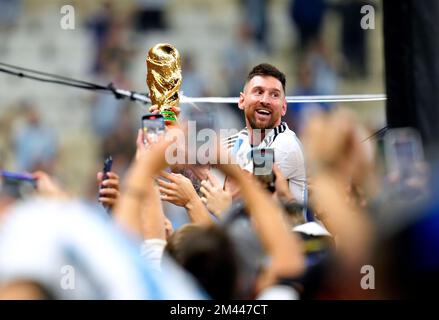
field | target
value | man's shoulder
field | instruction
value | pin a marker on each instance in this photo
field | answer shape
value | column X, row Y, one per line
column 230, row 141
column 286, row 140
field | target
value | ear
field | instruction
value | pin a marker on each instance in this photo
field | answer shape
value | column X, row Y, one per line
column 241, row 101
column 284, row 107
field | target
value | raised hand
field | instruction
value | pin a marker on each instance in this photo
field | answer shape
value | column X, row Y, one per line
column 154, row 109
column 283, row 192
column 109, row 189
column 177, row 190
column 47, row 187
column 214, row 197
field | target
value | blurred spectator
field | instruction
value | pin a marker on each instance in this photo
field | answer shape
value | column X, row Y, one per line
column 7, row 122
column 76, row 253
column 316, row 76
column 116, row 47
column 34, row 143
column 336, row 161
column 307, row 16
column 325, row 72
column 2, row 155
column 353, row 38
column 208, row 254
column 109, row 32
column 9, row 13
column 194, row 84
column 150, row 15
column 99, row 25
column 106, row 109
column 119, row 142
column 238, row 58
column 256, row 18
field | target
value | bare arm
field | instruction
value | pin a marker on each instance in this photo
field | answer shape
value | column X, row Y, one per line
column 21, row 290
column 47, row 187
column 152, row 215
column 139, row 207
column 338, row 158
column 280, row 243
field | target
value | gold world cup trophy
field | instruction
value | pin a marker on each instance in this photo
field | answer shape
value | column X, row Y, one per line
column 164, row 78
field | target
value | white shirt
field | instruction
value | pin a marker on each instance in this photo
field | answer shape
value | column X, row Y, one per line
column 278, row 292
column 76, row 253
column 288, row 155
column 312, row 229
column 152, row 250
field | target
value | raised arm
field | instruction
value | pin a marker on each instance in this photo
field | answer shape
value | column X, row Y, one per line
column 139, row 209
column 281, row 244
column 336, row 159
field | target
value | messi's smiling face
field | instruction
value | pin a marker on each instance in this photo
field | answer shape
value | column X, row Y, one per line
column 263, row 102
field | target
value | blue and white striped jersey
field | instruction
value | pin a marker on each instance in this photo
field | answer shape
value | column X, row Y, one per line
column 76, row 253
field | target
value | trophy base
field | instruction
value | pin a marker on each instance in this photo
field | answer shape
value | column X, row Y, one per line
column 169, row 115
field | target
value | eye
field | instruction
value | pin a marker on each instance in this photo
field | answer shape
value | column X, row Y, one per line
column 259, row 91
column 275, row 94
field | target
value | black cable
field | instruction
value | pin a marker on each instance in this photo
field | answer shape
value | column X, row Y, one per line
column 57, row 79
column 113, row 90
column 66, row 83
column 55, row 76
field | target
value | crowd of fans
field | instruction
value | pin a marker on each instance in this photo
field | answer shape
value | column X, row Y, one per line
column 305, row 238
column 335, row 225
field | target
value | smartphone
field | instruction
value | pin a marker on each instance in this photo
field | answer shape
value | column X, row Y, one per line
column 153, row 126
column 18, row 185
column 402, row 152
column 108, row 163
column 263, row 161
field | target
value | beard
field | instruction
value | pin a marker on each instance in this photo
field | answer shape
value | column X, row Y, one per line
column 254, row 124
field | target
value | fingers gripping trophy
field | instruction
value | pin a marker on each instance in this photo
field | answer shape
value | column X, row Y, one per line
column 164, row 79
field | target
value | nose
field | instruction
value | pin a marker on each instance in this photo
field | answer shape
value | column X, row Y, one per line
column 265, row 99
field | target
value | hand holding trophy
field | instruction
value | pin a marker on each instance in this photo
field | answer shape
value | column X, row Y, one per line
column 164, row 79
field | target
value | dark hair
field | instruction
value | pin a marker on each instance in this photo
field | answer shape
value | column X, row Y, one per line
column 208, row 254
column 294, row 212
column 266, row 69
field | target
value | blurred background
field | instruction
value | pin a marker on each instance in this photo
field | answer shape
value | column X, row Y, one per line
column 68, row 131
